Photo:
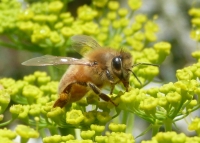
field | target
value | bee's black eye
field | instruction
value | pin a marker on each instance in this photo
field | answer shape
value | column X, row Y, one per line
column 117, row 63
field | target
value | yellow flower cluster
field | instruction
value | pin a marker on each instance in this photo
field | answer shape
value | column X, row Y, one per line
column 166, row 104
column 46, row 27
column 195, row 32
column 172, row 137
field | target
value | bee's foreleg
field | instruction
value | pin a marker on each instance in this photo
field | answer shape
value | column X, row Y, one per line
column 109, row 76
column 113, row 86
column 99, row 93
column 111, row 80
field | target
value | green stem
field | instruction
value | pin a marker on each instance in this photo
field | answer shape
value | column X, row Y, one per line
column 19, row 99
column 176, row 111
column 116, row 116
column 6, row 123
column 42, row 133
column 53, row 130
column 145, row 131
column 155, row 129
column 124, row 117
column 168, row 124
column 130, row 123
column 131, row 14
column 186, row 114
column 24, row 140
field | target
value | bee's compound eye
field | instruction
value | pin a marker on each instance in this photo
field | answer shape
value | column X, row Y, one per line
column 117, row 63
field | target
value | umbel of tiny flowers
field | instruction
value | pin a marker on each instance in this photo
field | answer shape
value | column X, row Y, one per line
column 4, row 100
column 195, row 32
column 172, row 137
column 6, row 133
column 48, row 30
column 194, row 126
column 168, row 103
column 58, row 138
column 150, row 105
column 26, row 133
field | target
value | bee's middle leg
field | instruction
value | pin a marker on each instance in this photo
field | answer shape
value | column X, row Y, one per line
column 99, row 93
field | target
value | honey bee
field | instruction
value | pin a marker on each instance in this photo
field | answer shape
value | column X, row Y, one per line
column 98, row 68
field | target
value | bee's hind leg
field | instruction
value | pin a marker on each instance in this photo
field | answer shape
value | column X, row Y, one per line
column 65, row 97
column 62, row 100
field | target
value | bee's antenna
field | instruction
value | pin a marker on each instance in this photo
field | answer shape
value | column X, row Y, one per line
column 148, row 64
column 135, row 76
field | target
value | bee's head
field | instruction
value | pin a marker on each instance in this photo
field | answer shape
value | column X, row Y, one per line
column 121, row 66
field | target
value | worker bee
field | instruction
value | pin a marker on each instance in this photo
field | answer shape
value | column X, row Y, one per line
column 98, row 67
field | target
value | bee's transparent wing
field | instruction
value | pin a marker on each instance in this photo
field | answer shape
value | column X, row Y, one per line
column 55, row 60
column 83, row 44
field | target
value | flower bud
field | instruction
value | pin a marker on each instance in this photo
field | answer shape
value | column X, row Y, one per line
column 74, row 117
column 87, row 134
column 7, row 133
column 97, row 128
column 113, row 5
column 103, row 117
column 134, row 4
column 122, row 12
column 55, row 6
column 26, row 132
column 100, row 139
column 53, row 139
column 4, row 100
column 117, row 127
column 89, row 118
column 15, row 110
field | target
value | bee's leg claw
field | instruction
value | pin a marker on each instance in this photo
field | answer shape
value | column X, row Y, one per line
column 106, row 98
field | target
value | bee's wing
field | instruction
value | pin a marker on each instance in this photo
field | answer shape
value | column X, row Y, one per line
column 83, row 44
column 55, row 60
